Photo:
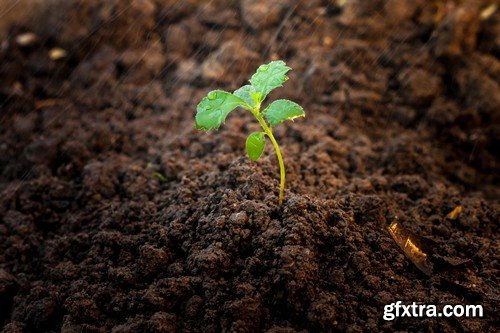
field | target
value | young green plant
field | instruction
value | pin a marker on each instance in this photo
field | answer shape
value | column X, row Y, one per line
column 213, row 109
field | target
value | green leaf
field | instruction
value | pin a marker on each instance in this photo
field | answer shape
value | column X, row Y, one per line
column 281, row 110
column 268, row 77
column 214, row 108
column 246, row 93
column 256, row 142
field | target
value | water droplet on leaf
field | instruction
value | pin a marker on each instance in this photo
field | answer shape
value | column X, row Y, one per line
column 263, row 68
column 212, row 95
column 218, row 115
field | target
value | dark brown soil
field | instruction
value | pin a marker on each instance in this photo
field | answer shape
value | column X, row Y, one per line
column 403, row 108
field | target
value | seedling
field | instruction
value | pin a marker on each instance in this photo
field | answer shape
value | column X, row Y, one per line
column 156, row 174
column 214, row 108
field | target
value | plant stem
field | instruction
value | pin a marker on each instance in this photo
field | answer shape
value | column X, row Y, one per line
column 282, row 166
column 269, row 133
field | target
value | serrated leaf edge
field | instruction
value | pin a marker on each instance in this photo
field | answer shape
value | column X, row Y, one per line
column 303, row 115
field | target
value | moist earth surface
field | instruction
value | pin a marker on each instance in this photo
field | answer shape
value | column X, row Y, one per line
column 117, row 215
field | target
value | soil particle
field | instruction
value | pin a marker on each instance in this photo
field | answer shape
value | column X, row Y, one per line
column 457, row 33
column 8, row 288
column 81, row 308
column 13, row 327
column 218, row 13
column 178, row 41
column 262, row 14
column 152, row 260
column 420, row 86
column 478, row 91
column 240, row 59
column 140, row 66
column 162, row 322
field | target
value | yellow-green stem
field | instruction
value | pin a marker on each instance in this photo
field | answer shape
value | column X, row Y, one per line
column 269, row 133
